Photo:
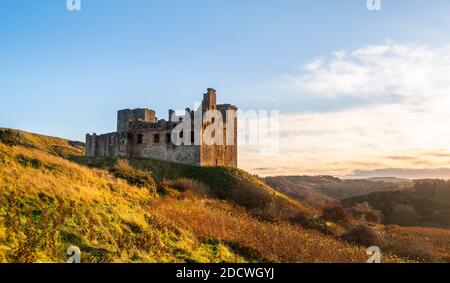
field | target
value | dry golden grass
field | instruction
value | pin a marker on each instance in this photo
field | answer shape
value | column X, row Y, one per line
column 113, row 221
column 419, row 243
column 59, row 177
column 51, row 203
column 260, row 241
column 48, row 203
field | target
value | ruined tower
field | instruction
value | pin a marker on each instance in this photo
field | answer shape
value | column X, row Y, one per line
column 124, row 117
column 140, row 134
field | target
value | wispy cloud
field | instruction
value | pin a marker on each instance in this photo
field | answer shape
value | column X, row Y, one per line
column 410, row 71
column 399, row 134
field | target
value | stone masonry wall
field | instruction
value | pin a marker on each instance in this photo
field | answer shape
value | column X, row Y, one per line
column 141, row 135
column 141, row 143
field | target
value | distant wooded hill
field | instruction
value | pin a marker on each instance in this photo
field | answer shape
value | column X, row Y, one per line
column 322, row 191
column 427, row 204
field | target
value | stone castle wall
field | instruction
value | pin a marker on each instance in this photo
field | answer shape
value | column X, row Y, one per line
column 126, row 145
column 127, row 115
column 140, row 134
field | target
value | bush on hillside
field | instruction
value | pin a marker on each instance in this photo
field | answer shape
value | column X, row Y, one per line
column 63, row 151
column 337, row 214
column 9, row 137
column 374, row 217
column 364, row 212
column 313, row 223
column 133, row 176
column 29, row 162
column 363, row 235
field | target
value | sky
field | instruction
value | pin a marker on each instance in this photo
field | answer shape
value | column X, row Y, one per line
column 359, row 92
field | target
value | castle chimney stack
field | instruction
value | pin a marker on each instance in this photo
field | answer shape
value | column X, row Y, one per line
column 171, row 112
column 209, row 100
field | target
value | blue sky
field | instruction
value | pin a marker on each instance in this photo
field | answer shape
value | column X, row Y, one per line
column 66, row 73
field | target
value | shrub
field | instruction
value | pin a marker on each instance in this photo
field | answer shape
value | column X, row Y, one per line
column 29, row 162
column 133, row 176
column 9, row 137
column 374, row 217
column 364, row 212
column 337, row 214
column 363, row 235
column 313, row 223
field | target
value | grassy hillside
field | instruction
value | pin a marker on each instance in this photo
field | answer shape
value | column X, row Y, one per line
column 51, row 197
column 50, row 145
column 321, row 191
column 230, row 184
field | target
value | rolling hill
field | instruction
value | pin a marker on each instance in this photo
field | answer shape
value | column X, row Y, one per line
column 50, row 200
column 321, row 191
column 138, row 210
column 427, row 205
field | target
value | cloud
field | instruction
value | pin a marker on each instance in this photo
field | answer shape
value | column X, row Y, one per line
column 412, row 132
column 408, row 71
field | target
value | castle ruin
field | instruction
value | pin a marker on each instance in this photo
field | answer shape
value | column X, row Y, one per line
column 181, row 139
